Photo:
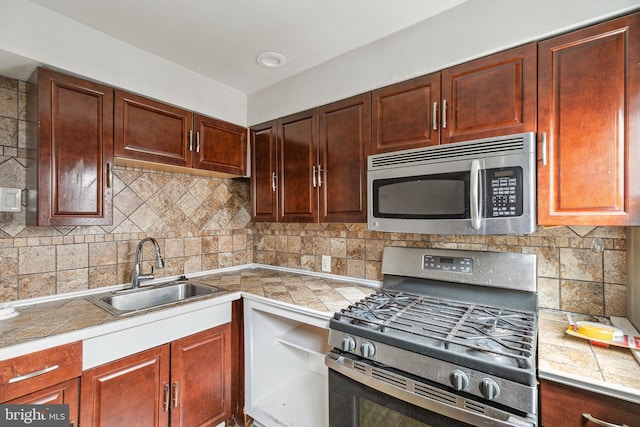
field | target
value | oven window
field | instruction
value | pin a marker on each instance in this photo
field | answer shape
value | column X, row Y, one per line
column 371, row 414
column 352, row 404
column 442, row 196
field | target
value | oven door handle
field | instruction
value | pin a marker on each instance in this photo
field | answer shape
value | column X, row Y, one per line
column 497, row 419
column 474, row 194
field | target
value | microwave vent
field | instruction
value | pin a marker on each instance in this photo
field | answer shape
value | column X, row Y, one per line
column 508, row 145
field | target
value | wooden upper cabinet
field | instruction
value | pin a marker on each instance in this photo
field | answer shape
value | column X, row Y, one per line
column 297, row 168
column 219, row 146
column 151, row 131
column 490, row 96
column 403, row 115
column 589, row 126
column 344, row 139
column 264, row 180
column 201, row 378
column 75, row 151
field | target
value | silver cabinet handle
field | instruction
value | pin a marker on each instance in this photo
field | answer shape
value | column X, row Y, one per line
column 191, row 140
column 167, row 397
column 319, row 176
column 313, row 173
column 175, row 394
column 474, row 194
column 197, row 142
column 33, row 374
column 602, row 423
column 543, row 148
column 435, row 116
column 273, row 181
column 444, row 114
column 109, row 175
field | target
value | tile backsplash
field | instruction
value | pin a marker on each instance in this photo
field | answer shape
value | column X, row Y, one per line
column 203, row 223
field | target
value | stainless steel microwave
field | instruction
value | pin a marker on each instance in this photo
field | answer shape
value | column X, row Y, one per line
column 485, row 186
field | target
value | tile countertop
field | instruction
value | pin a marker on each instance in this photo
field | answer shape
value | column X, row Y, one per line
column 46, row 324
column 563, row 358
column 574, row 361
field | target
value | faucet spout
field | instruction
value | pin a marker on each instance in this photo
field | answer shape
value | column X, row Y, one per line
column 137, row 277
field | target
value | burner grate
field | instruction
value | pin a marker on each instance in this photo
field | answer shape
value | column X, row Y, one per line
column 492, row 333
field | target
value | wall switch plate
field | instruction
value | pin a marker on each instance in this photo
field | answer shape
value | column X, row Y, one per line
column 326, row 263
column 10, row 199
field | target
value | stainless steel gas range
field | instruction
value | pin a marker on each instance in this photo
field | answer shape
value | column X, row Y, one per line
column 449, row 340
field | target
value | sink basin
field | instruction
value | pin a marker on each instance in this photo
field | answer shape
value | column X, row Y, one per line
column 130, row 301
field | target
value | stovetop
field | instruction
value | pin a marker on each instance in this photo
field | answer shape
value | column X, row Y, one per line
column 473, row 309
column 493, row 339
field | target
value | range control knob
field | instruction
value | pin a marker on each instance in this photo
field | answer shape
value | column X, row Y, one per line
column 348, row 344
column 459, row 380
column 367, row 349
column 489, row 388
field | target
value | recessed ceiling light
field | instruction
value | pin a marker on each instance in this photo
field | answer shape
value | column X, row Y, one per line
column 271, row 60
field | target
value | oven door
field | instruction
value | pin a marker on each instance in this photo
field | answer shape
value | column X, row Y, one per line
column 366, row 395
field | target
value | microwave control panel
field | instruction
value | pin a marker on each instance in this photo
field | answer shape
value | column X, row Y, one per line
column 504, row 192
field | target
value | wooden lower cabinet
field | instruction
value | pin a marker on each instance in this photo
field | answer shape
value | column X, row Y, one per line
column 565, row 406
column 66, row 393
column 186, row 382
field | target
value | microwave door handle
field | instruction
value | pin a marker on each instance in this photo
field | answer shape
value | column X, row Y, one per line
column 474, row 195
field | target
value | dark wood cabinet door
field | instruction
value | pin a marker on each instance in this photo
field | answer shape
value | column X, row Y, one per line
column 201, row 378
column 564, row 406
column 219, row 146
column 264, row 179
column 344, row 139
column 403, row 115
column 75, row 151
column 589, row 116
column 490, row 96
column 128, row 392
column 66, row 393
column 151, row 131
column 297, row 162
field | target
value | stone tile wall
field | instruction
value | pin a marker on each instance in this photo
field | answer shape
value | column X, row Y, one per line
column 581, row 269
column 204, row 223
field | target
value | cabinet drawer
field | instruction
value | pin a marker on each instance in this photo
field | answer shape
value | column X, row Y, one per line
column 32, row 372
column 564, row 406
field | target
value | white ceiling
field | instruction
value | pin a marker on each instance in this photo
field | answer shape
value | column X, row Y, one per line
column 221, row 39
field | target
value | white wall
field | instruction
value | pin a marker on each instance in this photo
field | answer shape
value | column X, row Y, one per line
column 473, row 29
column 45, row 37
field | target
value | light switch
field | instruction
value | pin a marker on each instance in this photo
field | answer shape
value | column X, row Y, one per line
column 10, row 199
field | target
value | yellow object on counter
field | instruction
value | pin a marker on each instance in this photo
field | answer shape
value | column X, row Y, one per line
column 599, row 331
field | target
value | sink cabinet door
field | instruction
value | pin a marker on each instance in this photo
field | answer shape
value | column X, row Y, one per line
column 66, row 393
column 201, row 378
column 128, row 391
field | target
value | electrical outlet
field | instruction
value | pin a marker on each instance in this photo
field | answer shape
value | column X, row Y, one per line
column 326, row 263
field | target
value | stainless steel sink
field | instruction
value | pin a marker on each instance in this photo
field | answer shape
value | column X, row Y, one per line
column 130, row 301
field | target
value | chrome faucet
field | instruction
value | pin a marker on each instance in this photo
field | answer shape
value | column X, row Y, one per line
column 137, row 277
